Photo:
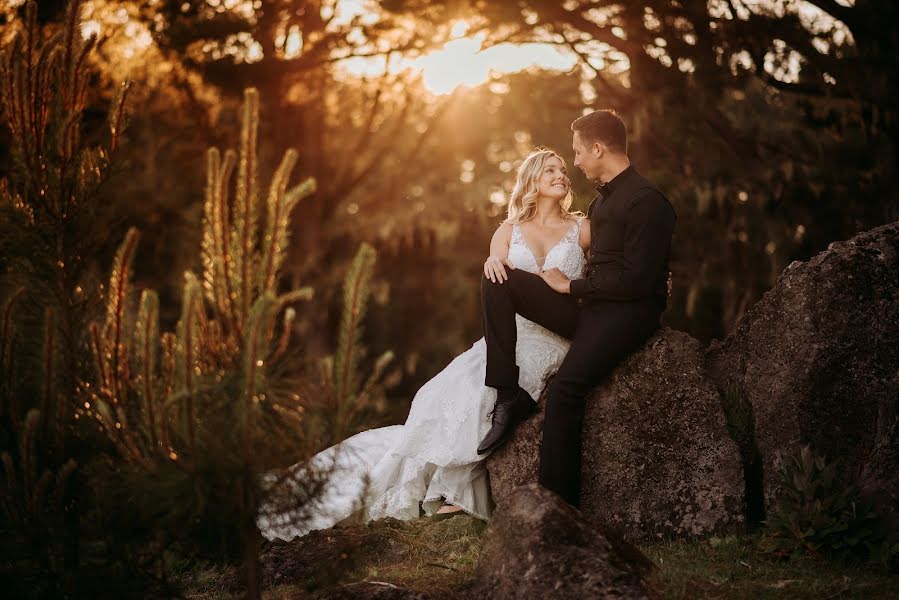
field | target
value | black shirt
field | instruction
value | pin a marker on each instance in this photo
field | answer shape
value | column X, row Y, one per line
column 630, row 243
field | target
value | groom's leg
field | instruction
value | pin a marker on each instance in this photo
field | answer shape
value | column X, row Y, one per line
column 528, row 295
column 605, row 335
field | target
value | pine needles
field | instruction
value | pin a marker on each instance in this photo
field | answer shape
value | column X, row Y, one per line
column 49, row 226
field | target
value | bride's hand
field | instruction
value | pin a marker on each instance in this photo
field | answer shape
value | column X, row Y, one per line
column 557, row 280
column 494, row 268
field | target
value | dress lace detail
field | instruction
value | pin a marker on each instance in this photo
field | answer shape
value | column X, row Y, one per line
column 433, row 456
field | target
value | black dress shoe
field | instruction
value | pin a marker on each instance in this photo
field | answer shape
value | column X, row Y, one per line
column 512, row 406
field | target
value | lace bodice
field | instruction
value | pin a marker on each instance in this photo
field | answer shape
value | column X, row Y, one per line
column 567, row 255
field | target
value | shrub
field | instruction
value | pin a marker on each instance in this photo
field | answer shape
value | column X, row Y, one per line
column 821, row 515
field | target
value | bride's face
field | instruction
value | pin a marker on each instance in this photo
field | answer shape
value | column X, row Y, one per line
column 553, row 181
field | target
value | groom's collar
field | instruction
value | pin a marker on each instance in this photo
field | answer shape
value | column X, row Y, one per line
column 606, row 189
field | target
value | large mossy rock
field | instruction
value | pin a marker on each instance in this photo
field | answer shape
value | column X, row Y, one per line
column 817, row 358
column 538, row 546
column 657, row 457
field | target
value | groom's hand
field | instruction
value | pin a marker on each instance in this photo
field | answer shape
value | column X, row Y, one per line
column 495, row 268
column 556, row 279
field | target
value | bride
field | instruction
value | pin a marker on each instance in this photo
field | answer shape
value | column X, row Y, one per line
column 431, row 462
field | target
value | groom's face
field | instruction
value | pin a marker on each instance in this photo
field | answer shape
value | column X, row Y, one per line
column 587, row 157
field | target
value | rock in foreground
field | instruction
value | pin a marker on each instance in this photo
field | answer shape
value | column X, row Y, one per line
column 538, row 546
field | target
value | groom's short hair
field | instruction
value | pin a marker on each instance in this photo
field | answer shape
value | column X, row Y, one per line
column 603, row 126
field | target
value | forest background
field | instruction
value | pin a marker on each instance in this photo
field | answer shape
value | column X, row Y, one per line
column 165, row 352
column 770, row 125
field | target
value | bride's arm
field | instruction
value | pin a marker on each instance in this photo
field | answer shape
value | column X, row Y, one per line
column 494, row 266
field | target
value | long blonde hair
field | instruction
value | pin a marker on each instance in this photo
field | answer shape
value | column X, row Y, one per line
column 523, row 202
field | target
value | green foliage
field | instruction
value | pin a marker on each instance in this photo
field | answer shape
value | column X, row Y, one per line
column 207, row 419
column 341, row 372
column 38, row 482
column 33, row 497
column 226, row 334
column 821, row 515
column 732, row 568
column 51, row 223
column 51, row 198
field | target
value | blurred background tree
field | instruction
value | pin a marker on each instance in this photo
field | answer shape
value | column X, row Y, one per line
column 769, row 125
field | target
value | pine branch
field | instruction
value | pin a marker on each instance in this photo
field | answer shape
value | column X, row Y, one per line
column 355, row 299
column 245, row 206
column 48, row 375
column 209, row 250
column 147, row 338
column 187, row 350
column 7, row 333
column 217, row 262
column 380, row 365
column 118, row 115
column 276, row 224
column 115, row 313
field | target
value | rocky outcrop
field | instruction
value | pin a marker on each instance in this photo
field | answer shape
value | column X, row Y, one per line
column 817, row 358
column 657, row 458
column 538, row 546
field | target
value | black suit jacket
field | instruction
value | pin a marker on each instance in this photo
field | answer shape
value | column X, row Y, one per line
column 630, row 243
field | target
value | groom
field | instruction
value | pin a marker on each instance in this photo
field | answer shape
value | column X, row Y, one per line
column 607, row 315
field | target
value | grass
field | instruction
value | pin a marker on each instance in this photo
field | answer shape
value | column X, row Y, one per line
column 439, row 559
column 732, row 568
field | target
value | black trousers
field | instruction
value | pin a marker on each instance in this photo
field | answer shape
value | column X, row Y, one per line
column 601, row 335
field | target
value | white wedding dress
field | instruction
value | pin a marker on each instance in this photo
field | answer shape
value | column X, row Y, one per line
column 433, row 456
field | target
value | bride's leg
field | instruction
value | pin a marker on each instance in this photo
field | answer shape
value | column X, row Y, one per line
column 528, row 295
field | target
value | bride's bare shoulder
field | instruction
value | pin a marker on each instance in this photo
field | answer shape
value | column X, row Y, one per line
column 503, row 233
column 504, row 229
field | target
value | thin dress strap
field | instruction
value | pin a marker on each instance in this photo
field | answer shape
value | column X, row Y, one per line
column 574, row 233
column 517, row 236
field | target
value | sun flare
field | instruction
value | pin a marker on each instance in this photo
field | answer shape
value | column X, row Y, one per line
column 464, row 62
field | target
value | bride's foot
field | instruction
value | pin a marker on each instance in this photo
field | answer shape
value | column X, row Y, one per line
column 447, row 511
column 448, row 508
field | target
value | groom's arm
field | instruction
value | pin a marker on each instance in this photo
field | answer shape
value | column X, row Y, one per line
column 650, row 225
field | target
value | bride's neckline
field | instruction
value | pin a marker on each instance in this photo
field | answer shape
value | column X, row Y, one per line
column 538, row 259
